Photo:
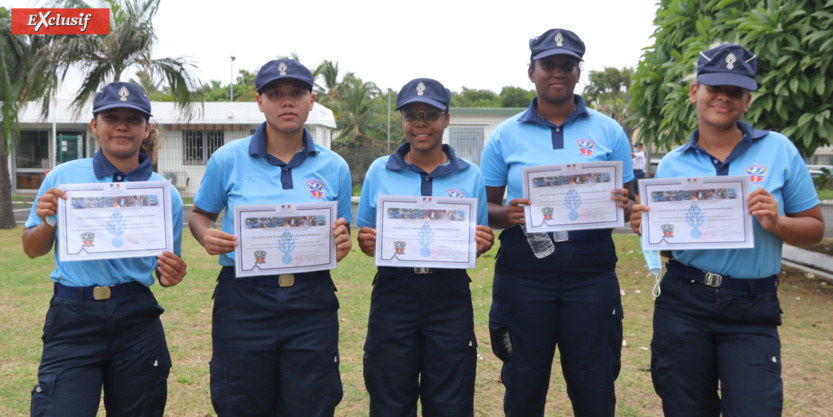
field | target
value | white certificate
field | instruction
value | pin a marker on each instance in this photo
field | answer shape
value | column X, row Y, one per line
column 572, row 196
column 114, row 220
column 435, row 232
column 284, row 238
column 696, row 213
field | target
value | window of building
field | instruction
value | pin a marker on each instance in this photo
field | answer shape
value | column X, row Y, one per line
column 200, row 144
column 32, row 150
column 467, row 142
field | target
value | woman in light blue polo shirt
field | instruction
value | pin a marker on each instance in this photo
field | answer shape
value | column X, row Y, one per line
column 102, row 328
column 725, row 329
column 275, row 337
column 568, row 299
column 420, row 339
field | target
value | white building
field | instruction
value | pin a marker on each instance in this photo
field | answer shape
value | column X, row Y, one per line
column 186, row 144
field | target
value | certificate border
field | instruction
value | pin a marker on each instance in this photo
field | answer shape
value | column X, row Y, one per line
column 65, row 256
column 238, row 252
column 380, row 219
column 618, row 174
column 748, row 229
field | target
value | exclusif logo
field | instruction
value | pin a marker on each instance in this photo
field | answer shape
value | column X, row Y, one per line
column 60, row 21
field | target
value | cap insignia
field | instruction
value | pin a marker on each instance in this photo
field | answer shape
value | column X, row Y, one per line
column 730, row 61
column 559, row 40
column 123, row 92
column 420, row 88
column 282, row 68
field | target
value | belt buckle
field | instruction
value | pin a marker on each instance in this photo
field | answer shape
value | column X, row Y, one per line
column 286, row 280
column 422, row 270
column 713, row 280
column 101, row 293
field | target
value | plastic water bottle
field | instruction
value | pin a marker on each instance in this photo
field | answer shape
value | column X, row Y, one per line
column 541, row 243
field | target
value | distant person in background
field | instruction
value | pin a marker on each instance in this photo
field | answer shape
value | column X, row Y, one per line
column 638, row 168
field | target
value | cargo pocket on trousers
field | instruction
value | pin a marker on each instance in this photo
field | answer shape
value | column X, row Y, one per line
column 42, row 396
column 156, row 391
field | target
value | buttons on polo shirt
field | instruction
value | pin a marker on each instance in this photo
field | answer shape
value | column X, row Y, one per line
column 716, row 161
column 557, row 129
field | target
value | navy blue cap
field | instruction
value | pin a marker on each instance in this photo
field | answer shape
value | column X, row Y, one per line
column 556, row 42
column 424, row 90
column 728, row 65
column 121, row 94
column 282, row 68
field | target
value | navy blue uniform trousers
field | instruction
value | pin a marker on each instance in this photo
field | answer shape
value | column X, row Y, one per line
column 569, row 300
column 704, row 334
column 275, row 348
column 117, row 343
column 420, row 344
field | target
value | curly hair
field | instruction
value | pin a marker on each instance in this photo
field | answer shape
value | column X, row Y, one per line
column 151, row 144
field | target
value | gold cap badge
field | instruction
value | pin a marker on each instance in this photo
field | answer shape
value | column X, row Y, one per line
column 559, row 40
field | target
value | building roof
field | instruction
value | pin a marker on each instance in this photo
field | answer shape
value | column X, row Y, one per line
column 165, row 113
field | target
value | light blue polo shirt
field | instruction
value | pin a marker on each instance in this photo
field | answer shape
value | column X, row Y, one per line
column 528, row 140
column 109, row 271
column 243, row 173
column 391, row 175
column 771, row 161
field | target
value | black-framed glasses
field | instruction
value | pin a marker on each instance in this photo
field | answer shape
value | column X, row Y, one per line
column 565, row 66
column 430, row 115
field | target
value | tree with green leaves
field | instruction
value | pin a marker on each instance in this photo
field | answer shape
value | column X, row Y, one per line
column 357, row 102
column 607, row 92
column 793, row 41
column 511, row 96
column 473, row 97
column 105, row 58
column 27, row 73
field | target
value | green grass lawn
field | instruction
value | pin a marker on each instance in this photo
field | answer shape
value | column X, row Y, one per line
column 807, row 334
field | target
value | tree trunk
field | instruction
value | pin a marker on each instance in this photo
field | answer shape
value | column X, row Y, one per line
column 6, row 210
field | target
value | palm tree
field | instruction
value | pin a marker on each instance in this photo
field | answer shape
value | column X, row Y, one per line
column 328, row 70
column 26, row 73
column 357, row 102
column 130, row 43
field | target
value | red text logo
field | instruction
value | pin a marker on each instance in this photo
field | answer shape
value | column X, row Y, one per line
column 60, row 21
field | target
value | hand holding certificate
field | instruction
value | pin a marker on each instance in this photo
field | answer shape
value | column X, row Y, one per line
column 284, row 238
column 696, row 213
column 572, row 196
column 436, row 232
column 114, row 220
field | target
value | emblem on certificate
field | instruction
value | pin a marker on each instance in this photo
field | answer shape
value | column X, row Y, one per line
column 667, row 230
column 260, row 256
column 87, row 239
column 547, row 212
column 399, row 247
column 426, row 238
column 286, row 244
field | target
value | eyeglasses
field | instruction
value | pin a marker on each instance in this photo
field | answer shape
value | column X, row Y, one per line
column 430, row 115
column 565, row 67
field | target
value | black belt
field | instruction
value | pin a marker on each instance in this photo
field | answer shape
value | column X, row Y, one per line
column 283, row 280
column 758, row 285
column 98, row 293
column 395, row 270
